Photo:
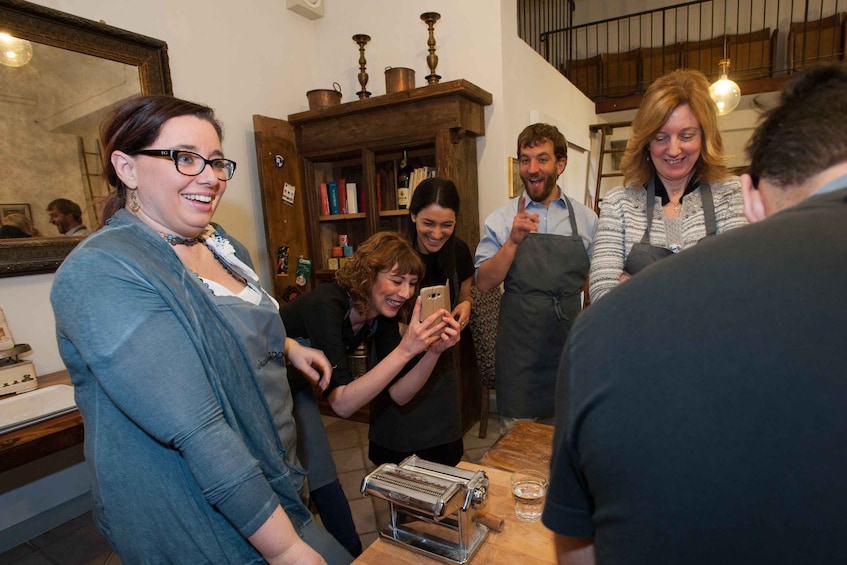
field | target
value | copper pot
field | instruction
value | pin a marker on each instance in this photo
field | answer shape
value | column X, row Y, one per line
column 324, row 97
column 398, row 79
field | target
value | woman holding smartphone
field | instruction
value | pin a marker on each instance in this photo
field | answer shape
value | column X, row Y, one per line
column 373, row 298
column 432, row 421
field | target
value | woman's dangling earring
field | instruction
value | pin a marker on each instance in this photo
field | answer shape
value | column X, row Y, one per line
column 134, row 206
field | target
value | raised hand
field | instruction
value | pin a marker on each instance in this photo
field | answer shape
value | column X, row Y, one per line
column 523, row 224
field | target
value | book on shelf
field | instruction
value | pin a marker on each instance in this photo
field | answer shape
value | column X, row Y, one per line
column 332, row 193
column 324, row 200
column 361, row 194
column 418, row 175
column 352, row 198
column 342, row 195
column 378, row 191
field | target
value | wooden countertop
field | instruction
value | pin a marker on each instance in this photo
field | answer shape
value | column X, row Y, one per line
column 43, row 438
column 519, row 542
column 526, row 446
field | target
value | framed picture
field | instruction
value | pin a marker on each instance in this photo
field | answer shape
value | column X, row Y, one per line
column 515, row 180
column 23, row 209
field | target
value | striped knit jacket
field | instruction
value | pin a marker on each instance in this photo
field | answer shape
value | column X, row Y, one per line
column 623, row 220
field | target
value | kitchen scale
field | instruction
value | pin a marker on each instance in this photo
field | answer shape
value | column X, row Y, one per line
column 16, row 376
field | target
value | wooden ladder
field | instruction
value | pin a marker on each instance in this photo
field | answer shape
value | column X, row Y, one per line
column 606, row 131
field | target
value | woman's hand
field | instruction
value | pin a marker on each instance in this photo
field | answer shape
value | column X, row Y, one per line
column 421, row 335
column 309, row 361
column 449, row 336
column 462, row 313
column 624, row 277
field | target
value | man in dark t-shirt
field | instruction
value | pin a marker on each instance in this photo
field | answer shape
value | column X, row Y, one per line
column 703, row 403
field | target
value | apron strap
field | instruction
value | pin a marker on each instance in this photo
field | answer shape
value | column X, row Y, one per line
column 708, row 209
column 651, row 206
column 572, row 217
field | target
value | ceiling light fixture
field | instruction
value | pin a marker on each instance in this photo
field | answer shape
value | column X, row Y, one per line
column 724, row 91
column 14, row 52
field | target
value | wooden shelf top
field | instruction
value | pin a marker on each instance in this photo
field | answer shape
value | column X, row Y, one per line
column 461, row 87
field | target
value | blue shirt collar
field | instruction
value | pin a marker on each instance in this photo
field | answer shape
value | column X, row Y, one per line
column 833, row 185
column 532, row 203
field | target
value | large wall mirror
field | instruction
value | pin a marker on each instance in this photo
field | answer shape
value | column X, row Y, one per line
column 50, row 113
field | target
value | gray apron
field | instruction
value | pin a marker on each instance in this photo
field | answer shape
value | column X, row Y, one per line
column 643, row 254
column 539, row 305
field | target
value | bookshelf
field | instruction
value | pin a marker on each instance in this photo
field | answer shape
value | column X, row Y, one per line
column 363, row 142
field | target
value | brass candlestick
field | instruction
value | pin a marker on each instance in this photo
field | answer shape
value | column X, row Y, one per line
column 432, row 59
column 361, row 39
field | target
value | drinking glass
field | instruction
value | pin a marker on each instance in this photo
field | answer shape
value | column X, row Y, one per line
column 529, row 489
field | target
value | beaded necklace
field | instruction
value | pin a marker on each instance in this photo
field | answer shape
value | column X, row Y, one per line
column 229, row 269
column 177, row 240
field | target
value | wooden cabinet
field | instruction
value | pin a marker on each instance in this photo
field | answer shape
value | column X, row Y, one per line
column 363, row 142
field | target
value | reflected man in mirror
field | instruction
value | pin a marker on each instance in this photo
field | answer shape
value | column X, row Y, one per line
column 66, row 215
column 702, row 403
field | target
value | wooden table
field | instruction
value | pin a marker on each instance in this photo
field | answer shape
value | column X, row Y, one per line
column 526, row 446
column 43, row 438
column 517, row 544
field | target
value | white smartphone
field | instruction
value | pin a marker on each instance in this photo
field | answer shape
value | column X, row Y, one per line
column 434, row 298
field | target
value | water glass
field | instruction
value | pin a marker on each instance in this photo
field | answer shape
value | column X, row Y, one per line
column 528, row 489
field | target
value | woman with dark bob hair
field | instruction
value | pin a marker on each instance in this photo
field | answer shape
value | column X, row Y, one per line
column 431, row 424
column 373, row 297
column 177, row 356
column 677, row 189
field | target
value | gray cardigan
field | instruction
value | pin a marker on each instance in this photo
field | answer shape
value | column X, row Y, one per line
column 623, row 220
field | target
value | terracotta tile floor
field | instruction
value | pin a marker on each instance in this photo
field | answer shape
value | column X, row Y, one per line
column 78, row 542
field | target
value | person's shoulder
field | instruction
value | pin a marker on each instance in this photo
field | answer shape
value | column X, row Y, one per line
column 624, row 193
column 581, row 208
column 329, row 295
column 461, row 245
column 239, row 247
column 730, row 184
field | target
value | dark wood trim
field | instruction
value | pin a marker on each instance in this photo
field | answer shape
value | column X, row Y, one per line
column 757, row 86
column 65, row 31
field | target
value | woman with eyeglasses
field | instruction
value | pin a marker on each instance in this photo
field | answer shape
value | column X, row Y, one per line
column 177, row 356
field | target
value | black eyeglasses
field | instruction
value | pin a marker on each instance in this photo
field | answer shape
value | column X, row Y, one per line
column 191, row 164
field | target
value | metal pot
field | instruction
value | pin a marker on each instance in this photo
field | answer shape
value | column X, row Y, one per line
column 324, row 97
column 398, row 79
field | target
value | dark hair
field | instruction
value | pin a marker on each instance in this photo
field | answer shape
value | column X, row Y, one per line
column 66, row 207
column 536, row 134
column 666, row 94
column 380, row 252
column 443, row 193
column 806, row 132
column 133, row 126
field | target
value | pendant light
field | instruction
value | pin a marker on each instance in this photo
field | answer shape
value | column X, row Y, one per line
column 725, row 92
column 14, row 52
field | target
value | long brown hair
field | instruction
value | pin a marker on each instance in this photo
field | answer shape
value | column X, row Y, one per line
column 380, row 252
column 136, row 124
column 442, row 192
column 664, row 96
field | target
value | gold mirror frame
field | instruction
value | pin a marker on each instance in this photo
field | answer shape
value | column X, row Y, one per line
column 58, row 29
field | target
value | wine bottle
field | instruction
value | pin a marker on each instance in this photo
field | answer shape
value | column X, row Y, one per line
column 403, row 177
